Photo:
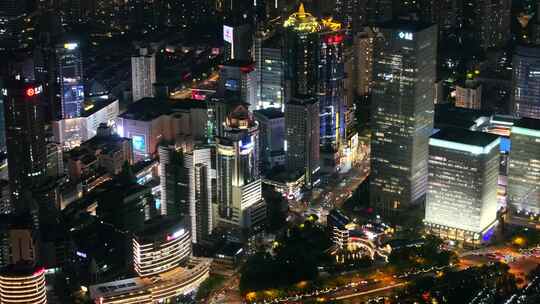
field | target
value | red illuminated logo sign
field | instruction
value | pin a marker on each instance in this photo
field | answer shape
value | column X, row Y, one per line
column 34, row 91
column 334, row 39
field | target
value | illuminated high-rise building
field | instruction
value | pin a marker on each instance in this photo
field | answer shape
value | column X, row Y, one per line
column 143, row 74
column 174, row 181
column 526, row 82
column 201, row 176
column 239, row 189
column 302, row 138
column 25, row 135
column 524, row 168
column 269, row 70
column 363, row 46
column 238, row 38
column 404, row 72
column 70, row 80
column 314, row 65
column 462, row 193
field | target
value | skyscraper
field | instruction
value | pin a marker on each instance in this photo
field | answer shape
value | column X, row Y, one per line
column 174, row 181
column 526, row 82
column 269, row 70
column 238, row 181
column 314, row 65
column 198, row 163
column 524, row 168
column 404, row 71
column 25, row 135
column 462, row 193
column 70, row 80
column 302, row 137
column 143, row 74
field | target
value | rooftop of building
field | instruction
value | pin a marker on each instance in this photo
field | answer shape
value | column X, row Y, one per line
column 161, row 228
column 230, row 249
column 23, row 268
column 446, row 115
column 303, row 99
column 150, row 108
column 179, row 277
column 405, row 25
column 238, row 63
column 94, row 105
column 466, row 137
column 528, row 51
column 528, row 123
column 270, row 113
column 15, row 221
column 120, row 188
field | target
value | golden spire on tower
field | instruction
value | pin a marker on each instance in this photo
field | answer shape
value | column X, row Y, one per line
column 301, row 10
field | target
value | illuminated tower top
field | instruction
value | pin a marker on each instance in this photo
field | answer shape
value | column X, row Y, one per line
column 302, row 21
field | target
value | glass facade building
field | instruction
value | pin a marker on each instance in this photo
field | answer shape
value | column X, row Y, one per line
column 524, row 168
column 463, row 170
column 302, row 138
column 239, row 189
column 314, row 65
column 70, row 79
column 269, row 70
column 404, row 71
column 25, row 135
column 526, row 82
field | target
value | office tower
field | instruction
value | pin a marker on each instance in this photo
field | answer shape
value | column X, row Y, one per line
column 198, row 163
column 239, row 196
column 25, row 135
column 23, row 283
column 524, row 168
column 161, row 246
column 238, row 38
column 487, row 22
column 404, row 71
column 143, row 74
column 363, row 46
column 269, row 69
column 469, row 95
column 302, row 138
column 272, row 135
column 526, row 82
column 315, row 66
column 174, row 181
column 462, row 193
column 70, row 80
